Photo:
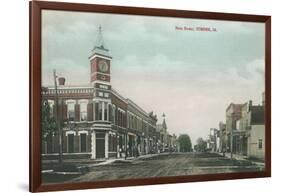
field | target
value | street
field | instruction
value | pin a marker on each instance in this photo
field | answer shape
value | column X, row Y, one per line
column 175, row 164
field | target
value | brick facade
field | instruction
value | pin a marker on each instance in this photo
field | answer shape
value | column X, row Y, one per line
column 115, row 126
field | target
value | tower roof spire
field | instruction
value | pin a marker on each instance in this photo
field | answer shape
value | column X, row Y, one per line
column 100, row 48
column 100, row 40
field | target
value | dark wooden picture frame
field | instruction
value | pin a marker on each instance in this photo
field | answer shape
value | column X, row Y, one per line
column 36, row 8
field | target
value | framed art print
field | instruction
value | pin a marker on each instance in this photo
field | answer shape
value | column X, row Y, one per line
column 123, row 96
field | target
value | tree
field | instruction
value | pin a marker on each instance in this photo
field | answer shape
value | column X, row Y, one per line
column 48, row 122
column 201, row 145
column 185, row 143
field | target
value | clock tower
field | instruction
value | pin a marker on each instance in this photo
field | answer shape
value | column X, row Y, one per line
column 100, row 61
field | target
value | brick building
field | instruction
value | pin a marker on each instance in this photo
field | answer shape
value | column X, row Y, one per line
column 98, row 122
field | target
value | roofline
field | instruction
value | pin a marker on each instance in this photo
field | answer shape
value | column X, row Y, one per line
column 137, row 107
column 129, row 101
column 102, row 55
column 231, row 104
column 113, row 91
column 69, row 86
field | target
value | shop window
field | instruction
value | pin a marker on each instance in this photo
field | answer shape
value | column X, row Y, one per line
column 70, row 143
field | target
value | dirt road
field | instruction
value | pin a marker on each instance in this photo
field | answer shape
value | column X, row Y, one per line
column 167, row 165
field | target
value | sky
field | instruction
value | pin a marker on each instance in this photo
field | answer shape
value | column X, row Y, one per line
column 161, row 63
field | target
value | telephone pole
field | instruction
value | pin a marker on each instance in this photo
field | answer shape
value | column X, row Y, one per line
column 231, row 143
column 58, row 117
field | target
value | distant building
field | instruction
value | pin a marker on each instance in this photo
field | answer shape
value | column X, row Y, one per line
column 162, row 135
column 223, row 137
column 174, row 143
column 166, row 142
column 213, row 142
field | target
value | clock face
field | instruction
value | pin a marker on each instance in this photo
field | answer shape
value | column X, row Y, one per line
column 103, row 66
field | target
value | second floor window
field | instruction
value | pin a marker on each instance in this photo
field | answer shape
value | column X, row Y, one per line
column 83, row 111
column 98, row 111
column 51, row 108
column 105, row 111
column 113, row 114
column 71, row 111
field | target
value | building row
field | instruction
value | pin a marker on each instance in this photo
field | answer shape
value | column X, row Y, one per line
column 243, row 131
column 98, row 122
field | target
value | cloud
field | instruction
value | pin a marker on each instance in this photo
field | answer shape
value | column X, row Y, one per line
column 192, row 103
column 191, row 76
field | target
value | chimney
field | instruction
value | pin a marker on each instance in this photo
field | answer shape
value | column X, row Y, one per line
column 61, row 81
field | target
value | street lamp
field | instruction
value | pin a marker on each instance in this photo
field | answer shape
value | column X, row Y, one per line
column 58, row 117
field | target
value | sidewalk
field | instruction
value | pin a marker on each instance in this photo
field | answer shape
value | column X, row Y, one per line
column 241, row 158
column 86, row 165
column 128, row 159
column 234, row 156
